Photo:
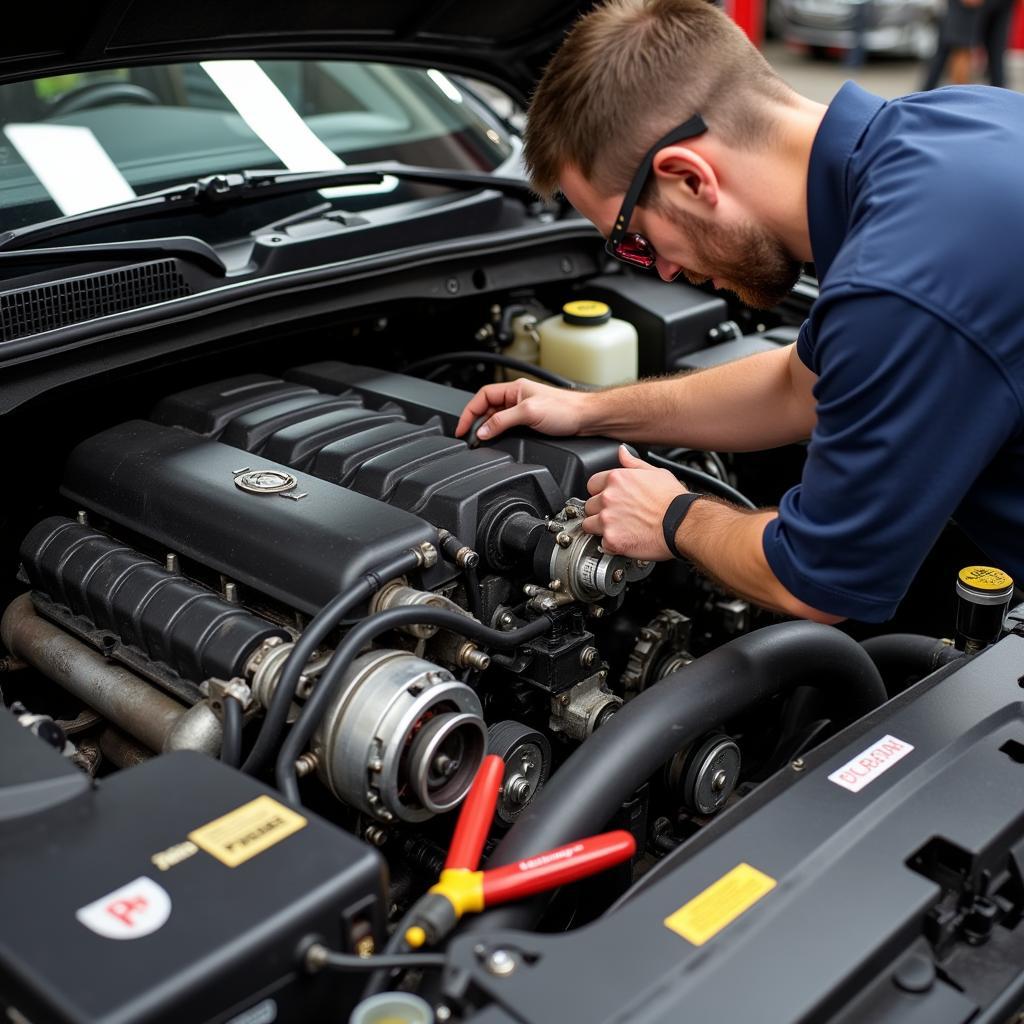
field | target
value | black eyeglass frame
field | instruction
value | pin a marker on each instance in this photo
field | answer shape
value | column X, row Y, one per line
column 689, row 130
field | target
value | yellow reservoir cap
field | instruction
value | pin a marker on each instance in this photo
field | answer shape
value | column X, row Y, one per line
column 585, row 312
column 985, row 578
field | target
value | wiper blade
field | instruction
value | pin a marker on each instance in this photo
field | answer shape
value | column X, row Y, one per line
column 194, row 250
column 244, row 186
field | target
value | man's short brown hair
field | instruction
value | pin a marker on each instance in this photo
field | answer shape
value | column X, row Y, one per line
column 630, row 71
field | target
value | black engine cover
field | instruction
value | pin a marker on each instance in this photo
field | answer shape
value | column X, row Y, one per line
column 389, row 436
column 179, row 490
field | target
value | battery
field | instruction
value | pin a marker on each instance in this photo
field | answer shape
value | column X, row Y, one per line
column 177, row 890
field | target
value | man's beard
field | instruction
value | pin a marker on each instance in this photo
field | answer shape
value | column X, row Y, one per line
column 756, row 265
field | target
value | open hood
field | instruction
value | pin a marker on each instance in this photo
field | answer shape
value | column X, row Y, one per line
column 505, row 43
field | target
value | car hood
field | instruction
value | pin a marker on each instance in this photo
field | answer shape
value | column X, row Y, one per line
column 504, row 43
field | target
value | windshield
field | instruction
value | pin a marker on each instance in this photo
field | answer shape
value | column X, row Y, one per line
column 82, row 141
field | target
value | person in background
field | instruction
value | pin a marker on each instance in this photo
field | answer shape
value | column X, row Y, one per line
column 968, row 23
column 994, row 34
column 957, row 39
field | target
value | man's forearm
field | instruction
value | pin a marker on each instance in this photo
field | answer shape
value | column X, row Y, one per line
column 726, row 543
column 751, row 404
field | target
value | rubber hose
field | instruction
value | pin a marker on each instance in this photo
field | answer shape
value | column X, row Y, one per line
column 580, row 798
column 493, row 359
column 355, row 640
column 396, row 946
column 702, row 481
column 670, row 861
column 898, row 656
column 330, row 616
column 231, row 744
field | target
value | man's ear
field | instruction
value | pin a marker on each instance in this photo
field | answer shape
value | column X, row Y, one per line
column 681, row 166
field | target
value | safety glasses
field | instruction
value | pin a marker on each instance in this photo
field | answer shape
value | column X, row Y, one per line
column 628, row 246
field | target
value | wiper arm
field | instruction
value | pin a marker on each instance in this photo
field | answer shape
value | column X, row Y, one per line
column 192, row 249
column 244, row 186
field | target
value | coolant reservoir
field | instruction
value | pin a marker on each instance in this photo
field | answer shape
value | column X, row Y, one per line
column 586, row 343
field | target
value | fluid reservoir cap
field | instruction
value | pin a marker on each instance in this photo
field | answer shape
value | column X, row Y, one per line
column 393, row 1008
column 586, row 313
column 983, row 584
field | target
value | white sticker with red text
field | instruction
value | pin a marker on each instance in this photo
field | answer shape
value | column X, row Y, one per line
column 870, row 763
column 136, row 909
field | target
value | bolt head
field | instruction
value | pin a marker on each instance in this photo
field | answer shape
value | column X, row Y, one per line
column 501, row 963
column 798, row 765
column 563, row 540
column 619, row 575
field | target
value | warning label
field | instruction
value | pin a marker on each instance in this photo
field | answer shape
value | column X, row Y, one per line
column 136, row 909
column 720, row 904
column 247, row 831
column 870, row 763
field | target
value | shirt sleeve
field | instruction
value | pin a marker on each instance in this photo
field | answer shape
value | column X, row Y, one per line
column 804, row 345
column 909, row 414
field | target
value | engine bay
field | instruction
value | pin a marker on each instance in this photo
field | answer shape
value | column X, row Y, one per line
column 303, row 575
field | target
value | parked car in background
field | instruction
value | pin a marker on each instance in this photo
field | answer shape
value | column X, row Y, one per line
column 895, row 27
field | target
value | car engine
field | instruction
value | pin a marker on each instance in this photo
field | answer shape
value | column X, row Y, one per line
column 307, row 578
column 334, row 480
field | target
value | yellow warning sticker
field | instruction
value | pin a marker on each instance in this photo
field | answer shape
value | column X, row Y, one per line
column 719, row 904
column 247, row 831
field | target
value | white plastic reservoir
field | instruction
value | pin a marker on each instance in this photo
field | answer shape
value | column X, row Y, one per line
column 587, row 344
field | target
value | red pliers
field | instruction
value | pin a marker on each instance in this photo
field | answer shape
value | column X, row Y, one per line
column 462, row 888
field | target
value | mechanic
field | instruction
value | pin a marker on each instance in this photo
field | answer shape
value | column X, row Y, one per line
column 907, row 375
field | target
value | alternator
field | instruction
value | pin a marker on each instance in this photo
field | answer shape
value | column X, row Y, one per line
column 402, row 739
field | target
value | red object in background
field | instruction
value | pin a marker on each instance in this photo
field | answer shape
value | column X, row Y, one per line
column 749, row 15
column 1017, row 32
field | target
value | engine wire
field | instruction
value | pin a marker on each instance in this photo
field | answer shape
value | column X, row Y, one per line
column 231, row 744
column 439, row 362
column 702, row 481
column 319, row 957
column 329, row 617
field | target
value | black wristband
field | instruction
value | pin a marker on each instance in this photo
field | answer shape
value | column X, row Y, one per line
column 674, row 516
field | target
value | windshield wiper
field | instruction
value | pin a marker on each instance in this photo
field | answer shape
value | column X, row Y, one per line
column 183, row 247
column 244, row 186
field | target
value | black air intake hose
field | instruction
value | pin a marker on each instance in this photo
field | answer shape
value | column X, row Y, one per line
column 900, row 657
column 600, row 775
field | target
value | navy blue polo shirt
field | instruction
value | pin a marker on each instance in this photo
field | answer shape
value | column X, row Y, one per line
column 916, row 210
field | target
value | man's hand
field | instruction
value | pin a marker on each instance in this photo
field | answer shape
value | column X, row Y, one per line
column 523, row 403
column 628, row 505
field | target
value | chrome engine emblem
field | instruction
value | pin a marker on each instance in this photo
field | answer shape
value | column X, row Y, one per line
column 266, row 481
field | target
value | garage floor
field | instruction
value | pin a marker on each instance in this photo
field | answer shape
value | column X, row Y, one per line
column 819, row 79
